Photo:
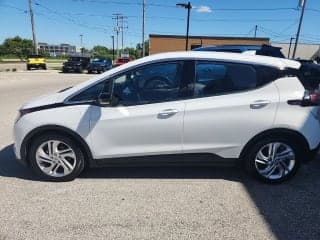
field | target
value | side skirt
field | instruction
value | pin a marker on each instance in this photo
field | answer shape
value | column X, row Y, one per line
column 192, row 159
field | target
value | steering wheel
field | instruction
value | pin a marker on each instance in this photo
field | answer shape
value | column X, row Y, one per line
column 157, row 82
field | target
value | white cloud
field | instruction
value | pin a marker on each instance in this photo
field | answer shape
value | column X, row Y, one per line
column 203, row 9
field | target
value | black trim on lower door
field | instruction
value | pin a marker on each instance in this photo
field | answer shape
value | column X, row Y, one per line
column 190, row 159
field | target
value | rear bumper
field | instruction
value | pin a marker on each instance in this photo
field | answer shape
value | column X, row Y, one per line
column 313, row 153
column 71, row 68
column 36, row 65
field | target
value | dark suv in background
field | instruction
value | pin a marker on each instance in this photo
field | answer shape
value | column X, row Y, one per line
column 265, row 50
column 99, row 65
column 76, row 64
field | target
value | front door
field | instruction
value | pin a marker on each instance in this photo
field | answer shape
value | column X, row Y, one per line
column 148, row 118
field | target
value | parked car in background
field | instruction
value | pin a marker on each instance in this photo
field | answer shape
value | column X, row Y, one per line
column 99, row 65
column 76, row 64
column 194, row 108
column 36, row 61
column 121, row 61
column 264, row 50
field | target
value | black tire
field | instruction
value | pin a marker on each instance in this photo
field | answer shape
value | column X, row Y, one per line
column 250, row 155
column 45, row 67
column 79, row 162
column 28, row 68
column 80, row 70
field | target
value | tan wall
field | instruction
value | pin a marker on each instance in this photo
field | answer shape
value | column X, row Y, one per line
column 304, row 51
column 158, row 45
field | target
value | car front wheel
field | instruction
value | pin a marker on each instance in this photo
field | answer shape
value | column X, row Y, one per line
column 56, row 157
column 273, row 160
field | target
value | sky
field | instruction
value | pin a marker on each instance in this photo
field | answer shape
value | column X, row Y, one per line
column 63, row 21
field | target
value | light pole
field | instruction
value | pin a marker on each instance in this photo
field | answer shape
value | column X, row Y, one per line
column 112, row 48
column 81, row 48
column 186, row 6
column 291, row 39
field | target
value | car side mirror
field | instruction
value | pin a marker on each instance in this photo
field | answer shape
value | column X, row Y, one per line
column 104, row 99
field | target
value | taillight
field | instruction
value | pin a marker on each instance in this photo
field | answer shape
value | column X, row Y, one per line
column 310, row 98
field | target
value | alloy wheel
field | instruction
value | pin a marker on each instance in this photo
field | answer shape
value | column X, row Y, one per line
column 56, row 158
column 275, row 160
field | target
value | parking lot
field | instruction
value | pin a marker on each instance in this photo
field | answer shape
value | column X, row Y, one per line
column 143, row 203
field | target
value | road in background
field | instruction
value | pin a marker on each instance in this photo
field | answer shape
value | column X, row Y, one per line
column 143, row 203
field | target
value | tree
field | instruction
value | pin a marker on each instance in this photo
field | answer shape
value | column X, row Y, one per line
column 146, row 47
column 17, row 46
column 102, row 51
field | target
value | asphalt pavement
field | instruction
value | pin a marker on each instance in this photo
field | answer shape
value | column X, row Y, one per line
column 144, row 203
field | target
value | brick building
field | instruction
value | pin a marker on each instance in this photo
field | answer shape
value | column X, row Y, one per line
column 169, row 43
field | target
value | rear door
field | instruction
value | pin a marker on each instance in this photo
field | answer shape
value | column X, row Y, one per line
column 232, row 103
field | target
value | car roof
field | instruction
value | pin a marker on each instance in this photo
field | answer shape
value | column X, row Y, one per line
column 279, row 63
column 229, row 47
column 222, row 56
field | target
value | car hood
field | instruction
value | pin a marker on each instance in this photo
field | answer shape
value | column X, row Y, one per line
column 96, row 64
column 42, row 101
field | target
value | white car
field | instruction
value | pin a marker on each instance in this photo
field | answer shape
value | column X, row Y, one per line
column 190, row 108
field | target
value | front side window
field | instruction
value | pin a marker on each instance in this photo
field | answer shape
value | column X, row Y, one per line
column 154, row 83
column 214, row 78
column 92, row 93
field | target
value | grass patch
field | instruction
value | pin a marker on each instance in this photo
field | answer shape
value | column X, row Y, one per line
column 56, row 68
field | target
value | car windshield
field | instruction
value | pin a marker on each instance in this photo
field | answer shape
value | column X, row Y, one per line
column 99, row 60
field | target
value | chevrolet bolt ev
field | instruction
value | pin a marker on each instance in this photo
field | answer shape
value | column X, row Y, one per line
column 189, row 108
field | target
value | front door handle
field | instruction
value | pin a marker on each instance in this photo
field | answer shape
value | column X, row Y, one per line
column 167, row 113
column 259, row 104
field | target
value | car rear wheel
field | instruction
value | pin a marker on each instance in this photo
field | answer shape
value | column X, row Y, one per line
column 56, row 157
column 273, row 160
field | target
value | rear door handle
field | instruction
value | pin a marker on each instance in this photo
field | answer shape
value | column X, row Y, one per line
column 168, row 112
column 259, row 104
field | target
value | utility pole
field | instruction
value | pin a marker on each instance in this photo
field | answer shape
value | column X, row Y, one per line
column 122, row 30
column 35, row 47
column 117, row 29
column 143, row 26
column 112, row 48
column 290, row 47
column 186, row 6
column 303, row 4
column 255, row 31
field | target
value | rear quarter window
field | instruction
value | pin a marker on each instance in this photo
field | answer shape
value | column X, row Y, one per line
column 216, row 78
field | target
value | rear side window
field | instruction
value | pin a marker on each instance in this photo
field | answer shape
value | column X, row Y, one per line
column 213, row 78
column 266, row 74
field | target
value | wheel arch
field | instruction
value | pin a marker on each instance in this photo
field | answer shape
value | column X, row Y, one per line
column 57, row 130
column 278, row 132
